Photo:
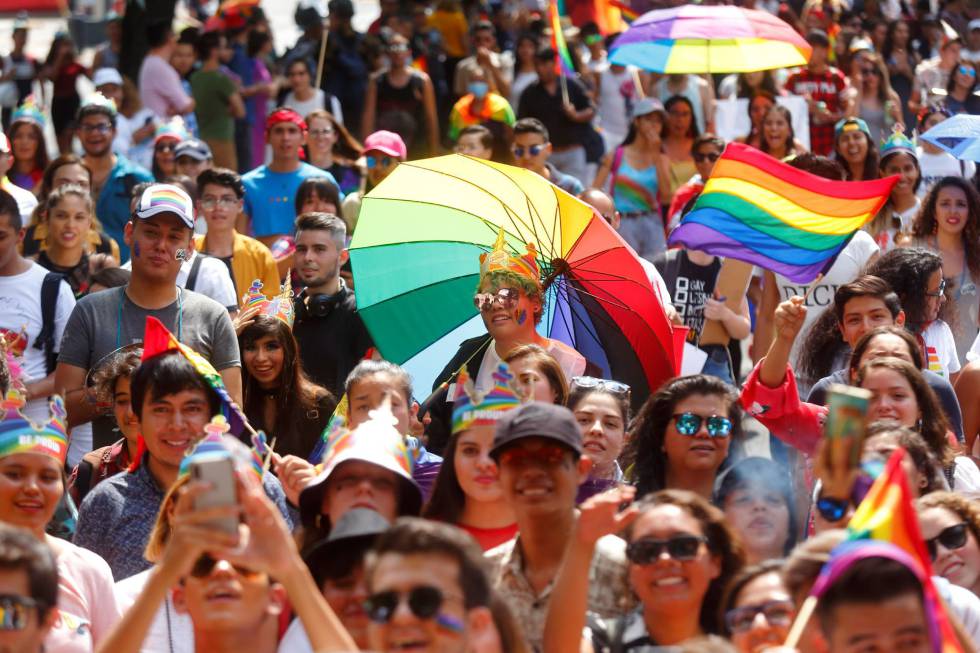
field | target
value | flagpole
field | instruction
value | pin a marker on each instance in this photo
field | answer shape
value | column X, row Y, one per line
column 564, row 88
column 799, row 624
column 637, row 83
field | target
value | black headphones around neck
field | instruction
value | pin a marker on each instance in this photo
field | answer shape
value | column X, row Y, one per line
column 320, row 305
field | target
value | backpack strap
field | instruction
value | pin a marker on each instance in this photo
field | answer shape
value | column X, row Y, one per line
column 614, row 170
column 49, row 303
column 195, row 270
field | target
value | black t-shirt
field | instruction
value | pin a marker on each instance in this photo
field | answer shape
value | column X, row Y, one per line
column 690, row 286
column 331, row 344
column 77, row 275
column 536, row 102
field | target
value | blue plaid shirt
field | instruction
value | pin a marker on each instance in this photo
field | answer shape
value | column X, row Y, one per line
column 117, row 516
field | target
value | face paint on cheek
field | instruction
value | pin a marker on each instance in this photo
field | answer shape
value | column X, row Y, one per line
column 136, row 250
column 521, row 316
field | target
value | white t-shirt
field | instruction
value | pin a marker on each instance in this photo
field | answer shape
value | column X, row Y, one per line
column 616, row 94
column 963, row 603
column 171, row 631
column 572, row 363
column 213, row 280
column 940, row 349
column 295, row 639
column 306, row 107
column 20, row 325
column 936, row 166
column 142, row 152
column 845, row 269
column 26, row 200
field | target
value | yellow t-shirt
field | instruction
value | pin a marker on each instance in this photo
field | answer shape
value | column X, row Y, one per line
column 452, row 25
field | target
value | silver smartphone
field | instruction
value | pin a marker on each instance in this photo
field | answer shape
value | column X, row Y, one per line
column 219, row 472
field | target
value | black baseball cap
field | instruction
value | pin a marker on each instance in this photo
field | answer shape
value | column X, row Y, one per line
column 537, row 420
column 350, row 538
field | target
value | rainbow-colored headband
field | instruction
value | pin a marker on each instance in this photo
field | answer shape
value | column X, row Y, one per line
column 897, row 142
column 500, row 260
column 29, row 111
column 217, row 442
column 18, row 434
column 98, row 100
column 280, row 306
column 470, row 408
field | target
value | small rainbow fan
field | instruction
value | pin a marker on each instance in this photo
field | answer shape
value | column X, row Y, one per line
column 280, row 306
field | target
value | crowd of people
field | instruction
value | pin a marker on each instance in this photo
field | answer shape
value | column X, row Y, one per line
column 176, row 289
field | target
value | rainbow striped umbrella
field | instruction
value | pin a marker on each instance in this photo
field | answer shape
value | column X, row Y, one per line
column 710, row 39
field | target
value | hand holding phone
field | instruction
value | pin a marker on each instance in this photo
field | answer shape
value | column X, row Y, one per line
column 219, row 472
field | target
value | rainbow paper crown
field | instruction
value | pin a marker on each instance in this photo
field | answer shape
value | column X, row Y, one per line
column 500, row 260
column 376, row 441
column 29, row 111
column 280, row 306
column 18, row 434
column 897, row 142
column 98, row 100
column 216, row 442
column 470, row 408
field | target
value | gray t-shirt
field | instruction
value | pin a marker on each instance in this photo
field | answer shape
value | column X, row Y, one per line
column 105, row 321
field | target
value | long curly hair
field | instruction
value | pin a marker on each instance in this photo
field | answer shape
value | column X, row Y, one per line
column 723, row 542
column 644, row 452
column 926, row 224
column 907, row 271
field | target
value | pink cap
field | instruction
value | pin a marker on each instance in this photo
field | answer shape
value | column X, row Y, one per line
column 388, row 142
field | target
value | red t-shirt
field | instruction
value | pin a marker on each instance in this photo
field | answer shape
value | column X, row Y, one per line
column 490, row 537
column 823, row 87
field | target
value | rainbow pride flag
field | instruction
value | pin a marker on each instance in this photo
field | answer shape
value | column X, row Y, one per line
column 762, row 211
column 563, row 58
column 627, row 14
column 887, row 514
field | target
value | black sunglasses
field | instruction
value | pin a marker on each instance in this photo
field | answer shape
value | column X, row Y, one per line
column 679, row 547
column 165, row 147
column 424, row 601
column 952, row 538
column 701, row 157
column 206, row 564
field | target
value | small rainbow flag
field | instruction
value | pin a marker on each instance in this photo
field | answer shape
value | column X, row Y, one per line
column 762, row 211
column 563, row 58
column 887, row 514
column 624, row 9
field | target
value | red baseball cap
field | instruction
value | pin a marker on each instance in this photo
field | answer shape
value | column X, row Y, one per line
column 387, row 142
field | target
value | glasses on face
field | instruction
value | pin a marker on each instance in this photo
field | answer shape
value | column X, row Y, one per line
column 398, row 48
column 680, row 547
column 966, row 70
column 209, row 203
column 424, row 601
column 869, row 71
column 940, row 291
column 373, row 161
column 206, row 564
column 533, row 150
column 507, row 297
column 951, row 537
column 777, row 613
column 701, row 157
column 165, row 147
column 689, row 424
column 101, row 128
column 548, row 456
column 316, row 133
column 615, row 387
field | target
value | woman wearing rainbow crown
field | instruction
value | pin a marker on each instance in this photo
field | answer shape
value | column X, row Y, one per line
column 32, row 482
column 279, row 397
column 510, row 298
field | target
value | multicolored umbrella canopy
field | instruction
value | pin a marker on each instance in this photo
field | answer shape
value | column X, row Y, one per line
column 415, row 257
column 710, row 39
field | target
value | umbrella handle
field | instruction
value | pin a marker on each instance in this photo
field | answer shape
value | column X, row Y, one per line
column 559, row 266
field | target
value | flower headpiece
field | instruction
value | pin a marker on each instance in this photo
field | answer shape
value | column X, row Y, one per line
column 500, row 260
column 18, row 434
column 897, row 142
column 29, row 111
column 98, row 100
column 280, row 306
column 471, row 408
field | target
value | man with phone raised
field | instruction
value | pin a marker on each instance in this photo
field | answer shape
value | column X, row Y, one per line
column 173, row 401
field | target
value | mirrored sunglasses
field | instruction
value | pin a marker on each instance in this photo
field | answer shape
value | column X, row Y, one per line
column 689, row 424
column 506, row 296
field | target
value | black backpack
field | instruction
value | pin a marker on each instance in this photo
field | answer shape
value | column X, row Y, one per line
column 49, row 304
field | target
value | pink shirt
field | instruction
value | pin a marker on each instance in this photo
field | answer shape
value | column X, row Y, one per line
column 160, row 87
column 86, row 588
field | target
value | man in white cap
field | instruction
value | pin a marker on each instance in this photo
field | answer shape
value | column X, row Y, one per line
column 160, row 236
